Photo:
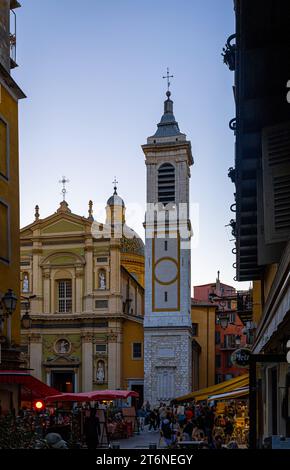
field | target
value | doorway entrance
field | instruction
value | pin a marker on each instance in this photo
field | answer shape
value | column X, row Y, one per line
column 138, row 402
column 63, row 381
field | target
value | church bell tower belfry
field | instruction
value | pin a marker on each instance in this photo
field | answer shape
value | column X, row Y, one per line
column 167, row 323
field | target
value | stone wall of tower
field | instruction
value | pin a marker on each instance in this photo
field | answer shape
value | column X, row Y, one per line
column 167, row 356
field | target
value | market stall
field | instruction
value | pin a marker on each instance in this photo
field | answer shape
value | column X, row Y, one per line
column 228, row 402
column 232, row 414
column 116, row 421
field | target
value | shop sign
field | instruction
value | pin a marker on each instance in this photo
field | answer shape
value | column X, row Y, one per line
column 241, row 357
column 288, row 352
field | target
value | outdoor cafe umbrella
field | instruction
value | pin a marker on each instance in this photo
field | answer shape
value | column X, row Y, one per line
column 92, row 396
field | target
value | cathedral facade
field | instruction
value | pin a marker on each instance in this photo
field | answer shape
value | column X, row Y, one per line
column 86, row 280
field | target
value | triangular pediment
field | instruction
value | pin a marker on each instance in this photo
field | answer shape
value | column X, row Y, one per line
column 62, row 226
column 26, row 233
column 62, row 360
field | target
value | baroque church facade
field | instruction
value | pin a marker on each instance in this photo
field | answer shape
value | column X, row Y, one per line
column 86, row 280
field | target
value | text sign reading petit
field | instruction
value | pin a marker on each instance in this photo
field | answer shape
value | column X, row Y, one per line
column 288, row 352
column 241, row 357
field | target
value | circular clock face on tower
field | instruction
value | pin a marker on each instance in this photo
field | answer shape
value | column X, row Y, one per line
column 166, row 271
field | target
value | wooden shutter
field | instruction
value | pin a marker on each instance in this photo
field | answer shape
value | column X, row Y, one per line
column 276, row 182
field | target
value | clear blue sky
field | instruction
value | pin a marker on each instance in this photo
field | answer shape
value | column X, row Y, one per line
column 92, row 72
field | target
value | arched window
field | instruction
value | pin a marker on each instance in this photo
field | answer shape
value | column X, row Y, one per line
column 166, row 183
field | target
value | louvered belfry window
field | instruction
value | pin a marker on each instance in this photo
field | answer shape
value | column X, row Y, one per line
column 276, row 182
column 166, row 183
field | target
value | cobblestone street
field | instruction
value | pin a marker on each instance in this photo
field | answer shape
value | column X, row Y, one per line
column 141, row 441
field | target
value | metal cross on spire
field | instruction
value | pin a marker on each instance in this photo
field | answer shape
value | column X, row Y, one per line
column 168, row 77
column 115, row 182
column 63, row 181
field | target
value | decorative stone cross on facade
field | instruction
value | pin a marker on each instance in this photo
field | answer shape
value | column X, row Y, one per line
column 63, row 181
column 168, row 77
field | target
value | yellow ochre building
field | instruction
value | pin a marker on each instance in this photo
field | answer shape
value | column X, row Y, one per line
column 10, row 94
column 86, row 330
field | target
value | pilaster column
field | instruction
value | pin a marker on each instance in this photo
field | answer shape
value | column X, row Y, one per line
column 36, row 304
column 46, row 291
column 48, row 377
column 35, row 352
column 87, row 362
column 88, row 300
column 114, row 356
column 115, row 301
column 79, row 290
column 76, row 380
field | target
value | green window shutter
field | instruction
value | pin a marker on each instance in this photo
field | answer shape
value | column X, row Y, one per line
column 276, row 182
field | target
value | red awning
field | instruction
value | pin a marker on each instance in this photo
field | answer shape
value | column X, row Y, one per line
column 36, row 388
column 92, row 396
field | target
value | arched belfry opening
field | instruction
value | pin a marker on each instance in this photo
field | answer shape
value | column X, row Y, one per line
column 166, row 183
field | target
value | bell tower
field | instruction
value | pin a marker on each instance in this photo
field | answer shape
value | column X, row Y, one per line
column 167, row 323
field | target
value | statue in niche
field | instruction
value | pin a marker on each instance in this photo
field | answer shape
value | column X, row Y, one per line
column 102, row 280
column 63, row 346
column 100, row 372
column 25, row 283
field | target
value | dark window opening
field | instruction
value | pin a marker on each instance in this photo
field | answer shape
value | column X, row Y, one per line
column 137, row 350
column 194, row 329
column 218, row 361
column 101, row 348
column 166, row 183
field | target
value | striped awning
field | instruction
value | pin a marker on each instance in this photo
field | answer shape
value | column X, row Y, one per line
column 223, row 387
column 239, row 392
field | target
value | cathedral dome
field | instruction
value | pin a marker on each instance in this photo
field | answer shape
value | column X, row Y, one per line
column 133, row 245
column 115, row 200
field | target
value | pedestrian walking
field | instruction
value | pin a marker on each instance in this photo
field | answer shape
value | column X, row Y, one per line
column 92, row 430
column 167, row 432
column 152, row 420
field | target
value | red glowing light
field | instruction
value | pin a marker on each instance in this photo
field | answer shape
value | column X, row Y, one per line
column 39, row 405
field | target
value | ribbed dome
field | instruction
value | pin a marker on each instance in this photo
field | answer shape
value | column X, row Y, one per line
column 115, row 200
column 132, row 245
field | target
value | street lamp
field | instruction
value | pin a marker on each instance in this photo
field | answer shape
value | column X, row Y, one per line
column 238, row 340
column 26, row 319
column 223, row 319
column 9, row 302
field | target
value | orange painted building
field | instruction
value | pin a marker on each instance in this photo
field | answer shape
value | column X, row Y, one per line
column 226, row 340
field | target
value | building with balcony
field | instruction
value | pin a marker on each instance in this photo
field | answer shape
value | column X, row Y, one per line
column 230, row 336
column 9, row 203
column 258, row 53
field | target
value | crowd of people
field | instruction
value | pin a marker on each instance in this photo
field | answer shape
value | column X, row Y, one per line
column 213, row 427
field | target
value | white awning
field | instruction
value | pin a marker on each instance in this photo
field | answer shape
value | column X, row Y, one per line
column 239, row 392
